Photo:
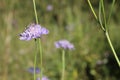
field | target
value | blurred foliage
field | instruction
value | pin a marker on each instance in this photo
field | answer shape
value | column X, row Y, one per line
column 92, row 58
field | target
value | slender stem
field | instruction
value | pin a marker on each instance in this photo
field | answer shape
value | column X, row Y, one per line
column 92, row 9
column 112, row 6
column 63, row 65
column 112, row 48
column 35, row 60
column 107, row 35
column 40, row 48
column 103, row 11
column 39, row 41
column 101, row 6
column 35, row 11
column 100, row 20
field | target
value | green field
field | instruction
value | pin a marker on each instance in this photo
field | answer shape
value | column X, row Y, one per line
column 92, row 58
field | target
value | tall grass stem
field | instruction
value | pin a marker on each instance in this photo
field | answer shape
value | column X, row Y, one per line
column 92, row 9
column 110, row 11
column 103, row 11
column 113, row 50
column 103, row 27
column 100, row 20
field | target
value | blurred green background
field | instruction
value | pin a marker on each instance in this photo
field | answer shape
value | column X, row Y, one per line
column 73, row 20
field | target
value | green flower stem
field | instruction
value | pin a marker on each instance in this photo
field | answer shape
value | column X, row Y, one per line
column 40, row 48
column 113, row 50
column 35, row 60
column 101, row 6
column 63, row 64
column 35, row 11
column 39, row 42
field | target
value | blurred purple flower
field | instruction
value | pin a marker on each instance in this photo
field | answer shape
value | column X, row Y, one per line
column 31, row 70
column 33, row 31
column 43, row 78
column 64, row 44
column 49, row 7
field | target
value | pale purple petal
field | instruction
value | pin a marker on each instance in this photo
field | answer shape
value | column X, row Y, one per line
column 31, row 70
column 64, row 44
column 71, row 46
column 44, row 31
column 49, row 7
column 25, row 36
column 57, row 45
column 43, row 78
column 33, row 31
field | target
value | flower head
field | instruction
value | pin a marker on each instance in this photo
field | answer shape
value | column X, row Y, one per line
column 33, row 31
column 31, row 70
column 64, row 44
column 49, row 7
column 43, row 78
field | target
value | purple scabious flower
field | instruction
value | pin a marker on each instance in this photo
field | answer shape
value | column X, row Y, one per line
column 49, row 7
column 31, row 70
column 64, row 44
column 43, row 78
column 33, row 31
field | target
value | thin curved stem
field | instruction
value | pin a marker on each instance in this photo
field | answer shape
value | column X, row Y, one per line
column 100, row 13
column 107, row 35
column 111, row 11
column 98, row 20
column 92, row 9
column 101, row 6
column 63, row 65
column 103, row 11
column 112, row 48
